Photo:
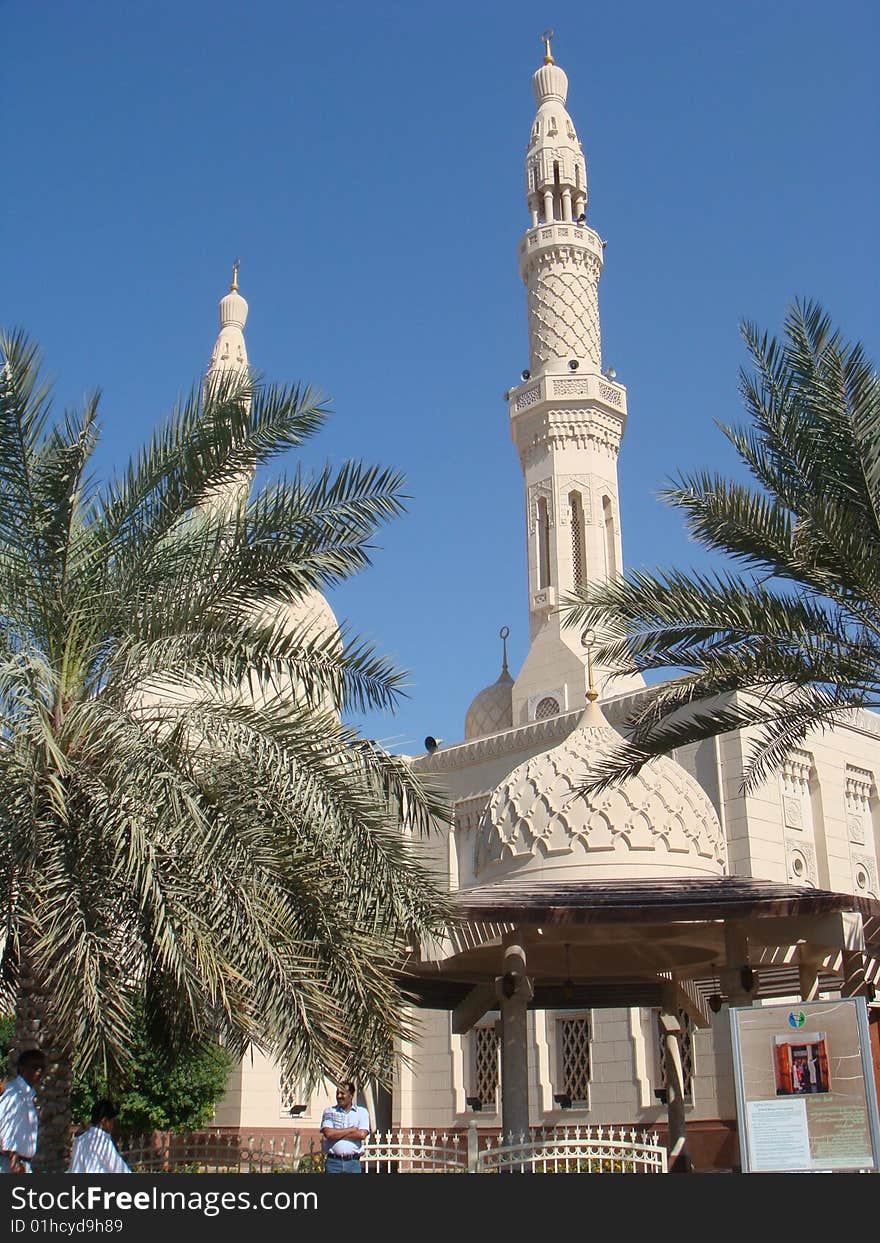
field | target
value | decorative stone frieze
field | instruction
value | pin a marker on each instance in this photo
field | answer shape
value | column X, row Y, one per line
column 858, row 794
column 795, row 777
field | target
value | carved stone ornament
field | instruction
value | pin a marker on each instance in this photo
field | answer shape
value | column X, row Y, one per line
column 792, row 812
column 575, row 483
column 538, row 491
column 864, row 873
column 800, row 860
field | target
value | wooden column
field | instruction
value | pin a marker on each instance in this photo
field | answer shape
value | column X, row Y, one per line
column 514, row 992
column 809, row 962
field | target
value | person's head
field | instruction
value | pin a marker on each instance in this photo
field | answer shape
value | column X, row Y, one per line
column 104, row 1114
column 345, row 1094
column 31, row 1064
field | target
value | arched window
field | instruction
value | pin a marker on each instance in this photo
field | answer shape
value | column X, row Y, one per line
column 543, row 525
column 578, row 547
column 546, row 708
column 610, row 543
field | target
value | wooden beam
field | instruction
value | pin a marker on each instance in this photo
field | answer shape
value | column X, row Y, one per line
column 469, row 1011
column 842, row 930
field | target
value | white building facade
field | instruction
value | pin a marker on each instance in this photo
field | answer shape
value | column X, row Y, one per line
column 526, row 742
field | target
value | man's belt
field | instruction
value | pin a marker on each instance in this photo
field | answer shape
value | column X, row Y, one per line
column 345, row 1156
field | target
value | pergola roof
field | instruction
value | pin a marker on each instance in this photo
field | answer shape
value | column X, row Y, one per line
column 597, row 943
column 646, row 901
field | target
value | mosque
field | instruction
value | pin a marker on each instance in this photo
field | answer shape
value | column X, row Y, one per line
column 601, row 940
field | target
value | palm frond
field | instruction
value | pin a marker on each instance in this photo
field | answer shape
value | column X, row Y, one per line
column 793, row 644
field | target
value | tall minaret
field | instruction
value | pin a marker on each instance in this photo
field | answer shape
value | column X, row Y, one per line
column 567, row 418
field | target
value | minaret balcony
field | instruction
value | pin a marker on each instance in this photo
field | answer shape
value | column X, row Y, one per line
column 597, row 390
column 560, row 233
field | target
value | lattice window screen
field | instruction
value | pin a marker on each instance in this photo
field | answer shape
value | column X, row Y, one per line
column 574, row 1057
column 546, row 708
column 486, row 1053
column 289, row 1091
column 577, row 540
column 543, row 525
column 687, row 1053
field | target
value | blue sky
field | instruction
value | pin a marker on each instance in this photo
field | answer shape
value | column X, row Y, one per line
column 366, row 164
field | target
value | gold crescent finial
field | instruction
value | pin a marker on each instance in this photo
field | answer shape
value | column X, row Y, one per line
column 233, row 288
column 502, row 635
column 588, row 638
column 548, row 55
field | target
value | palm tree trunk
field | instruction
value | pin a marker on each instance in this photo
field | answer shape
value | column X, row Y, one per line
column 34, row 1029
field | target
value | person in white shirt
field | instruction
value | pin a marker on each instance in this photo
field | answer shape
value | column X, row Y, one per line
column 94, row 1151
column 19, row 1120
column 344, row 1128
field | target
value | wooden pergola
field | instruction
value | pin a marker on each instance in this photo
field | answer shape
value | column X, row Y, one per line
column 691, row 944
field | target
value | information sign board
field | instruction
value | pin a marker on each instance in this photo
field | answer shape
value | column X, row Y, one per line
column 805, row 1087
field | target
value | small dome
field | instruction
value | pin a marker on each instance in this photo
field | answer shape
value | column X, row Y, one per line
column 550, row 82
column 659, row 823
column 492, row 710
column 233, row 310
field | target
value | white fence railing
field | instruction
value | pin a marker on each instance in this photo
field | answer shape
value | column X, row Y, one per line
column 558, row 1150
column 575, row 1150
column 416, row 1152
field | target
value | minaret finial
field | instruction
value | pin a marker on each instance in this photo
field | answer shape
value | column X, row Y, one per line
column 233, row 288
column 502, row 635
column 545, row 39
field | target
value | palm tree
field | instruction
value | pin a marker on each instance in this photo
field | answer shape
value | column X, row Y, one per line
column 791, row 642
column 176, row 832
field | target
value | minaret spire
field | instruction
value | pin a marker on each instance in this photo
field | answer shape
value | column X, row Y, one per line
column 568, row 416
column 229, row 362
column 230, row 352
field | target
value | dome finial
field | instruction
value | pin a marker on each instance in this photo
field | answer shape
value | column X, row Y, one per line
column 588, row 638
column 233, row 288
column 593, row 714
column 546, row 37
column 502, row 635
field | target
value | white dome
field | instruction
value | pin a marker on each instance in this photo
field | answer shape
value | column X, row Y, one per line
column 659, row 823
column 312, row 613
column 550, row 82
column 312, row 618
column 492, row 710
